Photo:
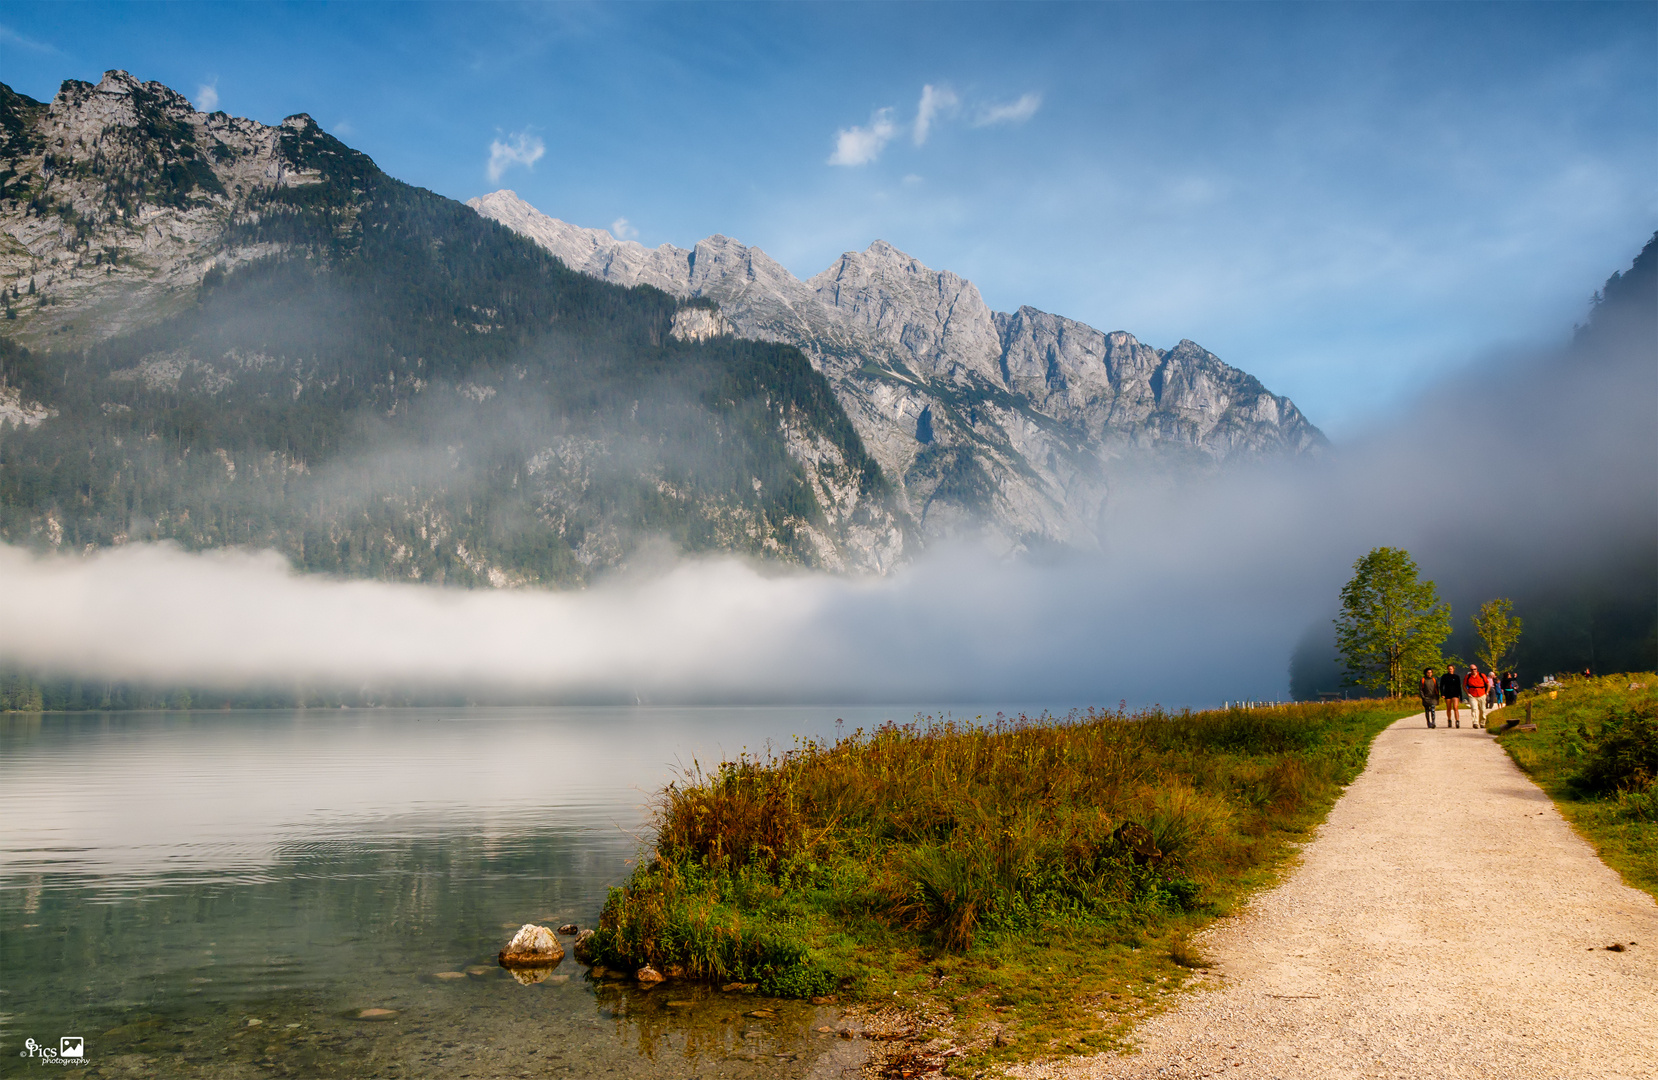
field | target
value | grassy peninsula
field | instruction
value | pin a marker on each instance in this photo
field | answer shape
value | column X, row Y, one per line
column 1595, row 752
column 1035, row 879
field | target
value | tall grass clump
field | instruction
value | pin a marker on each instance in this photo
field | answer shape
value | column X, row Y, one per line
column 804, row 870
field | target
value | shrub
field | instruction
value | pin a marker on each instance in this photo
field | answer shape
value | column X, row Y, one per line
column 1624, row 756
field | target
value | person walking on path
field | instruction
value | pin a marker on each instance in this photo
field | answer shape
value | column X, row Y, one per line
column 1429, row 689
column 1511, row 687
column 1477, row 686
column 1450, row 688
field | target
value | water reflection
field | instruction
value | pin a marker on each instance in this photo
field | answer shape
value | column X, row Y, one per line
column 303, row 894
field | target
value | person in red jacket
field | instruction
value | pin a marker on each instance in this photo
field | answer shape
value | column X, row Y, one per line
column 1476, row 685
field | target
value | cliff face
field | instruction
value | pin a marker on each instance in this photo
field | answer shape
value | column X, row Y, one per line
column 1008, row 425
column 121, row 195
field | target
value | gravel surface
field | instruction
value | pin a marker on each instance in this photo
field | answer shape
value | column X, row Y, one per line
column 1444, row 922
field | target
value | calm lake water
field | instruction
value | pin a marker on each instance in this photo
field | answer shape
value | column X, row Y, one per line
column 220, row 894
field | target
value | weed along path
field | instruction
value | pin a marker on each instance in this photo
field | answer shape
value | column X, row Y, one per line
column 1445, row 921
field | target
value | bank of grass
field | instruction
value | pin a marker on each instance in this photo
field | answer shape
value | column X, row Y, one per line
column 1595, row 752
column 1037, row 875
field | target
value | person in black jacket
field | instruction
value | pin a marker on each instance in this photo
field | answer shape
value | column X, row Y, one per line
column 1450, row 688
column 1429, row 689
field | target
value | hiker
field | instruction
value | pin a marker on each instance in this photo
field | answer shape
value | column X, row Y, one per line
column 1429, row 689
column 1450, row 688
column 1511, row 687
column 1476, row 686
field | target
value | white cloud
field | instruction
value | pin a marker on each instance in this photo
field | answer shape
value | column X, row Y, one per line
column 207, row 96
column 859, row 145
column 8, row 36
column 522, row 148
column 622, row 229
column 934, row 100
column 1014, row 112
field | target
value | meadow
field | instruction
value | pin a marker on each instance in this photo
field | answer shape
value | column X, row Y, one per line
column 1595, row 752
column 1028, row 884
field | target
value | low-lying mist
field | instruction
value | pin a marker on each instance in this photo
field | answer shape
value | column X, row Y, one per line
column 1508, row 474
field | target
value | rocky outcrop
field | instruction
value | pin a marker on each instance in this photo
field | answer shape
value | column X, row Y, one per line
column 1006, row 425
column 118, row 200
column 699, row 324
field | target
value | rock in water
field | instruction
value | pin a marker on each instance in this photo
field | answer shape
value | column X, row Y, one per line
column 584, row 947
column 569, row 928
column 649, row 976
column 532, row 946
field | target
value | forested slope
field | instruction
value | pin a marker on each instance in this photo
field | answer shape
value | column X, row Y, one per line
column 385, row 384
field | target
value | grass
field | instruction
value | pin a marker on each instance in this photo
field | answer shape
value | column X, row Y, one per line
column 1595, row 752
column 1040, row 875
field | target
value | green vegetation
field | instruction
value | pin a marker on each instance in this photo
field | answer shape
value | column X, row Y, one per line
column 1391, row 625
column 1052, row 866
column 1499, row 631
column 1595, row 752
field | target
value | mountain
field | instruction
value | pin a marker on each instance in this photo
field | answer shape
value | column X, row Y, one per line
column 219, row 332
column 1010, row 424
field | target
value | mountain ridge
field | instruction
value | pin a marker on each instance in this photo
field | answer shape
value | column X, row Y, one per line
column 220, row 332
column 1027, row 413
column 124, row 209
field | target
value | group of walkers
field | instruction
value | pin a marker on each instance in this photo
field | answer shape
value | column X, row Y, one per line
column 1481, row 691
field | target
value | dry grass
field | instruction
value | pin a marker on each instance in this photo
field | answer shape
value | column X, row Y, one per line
column 1049, row 866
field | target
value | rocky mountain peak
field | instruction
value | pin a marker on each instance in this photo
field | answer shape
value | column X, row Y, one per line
column 1005, row 423
column 119, row 195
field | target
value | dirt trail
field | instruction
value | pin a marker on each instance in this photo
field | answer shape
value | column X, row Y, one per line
column 1444, row 922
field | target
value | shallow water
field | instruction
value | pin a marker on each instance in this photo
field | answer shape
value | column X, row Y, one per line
column 221, row 894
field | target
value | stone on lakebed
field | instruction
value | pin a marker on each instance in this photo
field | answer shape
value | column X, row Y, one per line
column 532, row 947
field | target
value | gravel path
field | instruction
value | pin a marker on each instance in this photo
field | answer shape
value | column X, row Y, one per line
column 1444, row 922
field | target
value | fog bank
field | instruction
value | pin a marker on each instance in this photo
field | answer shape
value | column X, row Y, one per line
column 1513, row 472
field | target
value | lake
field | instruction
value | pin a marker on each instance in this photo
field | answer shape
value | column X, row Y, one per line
column 222, row 894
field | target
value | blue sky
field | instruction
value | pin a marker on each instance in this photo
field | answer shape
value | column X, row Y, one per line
column 1346, row 200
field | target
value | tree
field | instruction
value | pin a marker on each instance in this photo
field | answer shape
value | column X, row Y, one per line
column 1391, row 624
column 1499, row 630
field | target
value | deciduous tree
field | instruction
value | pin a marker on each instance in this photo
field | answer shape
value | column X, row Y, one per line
column 1498, row 630
column 1391, row 623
